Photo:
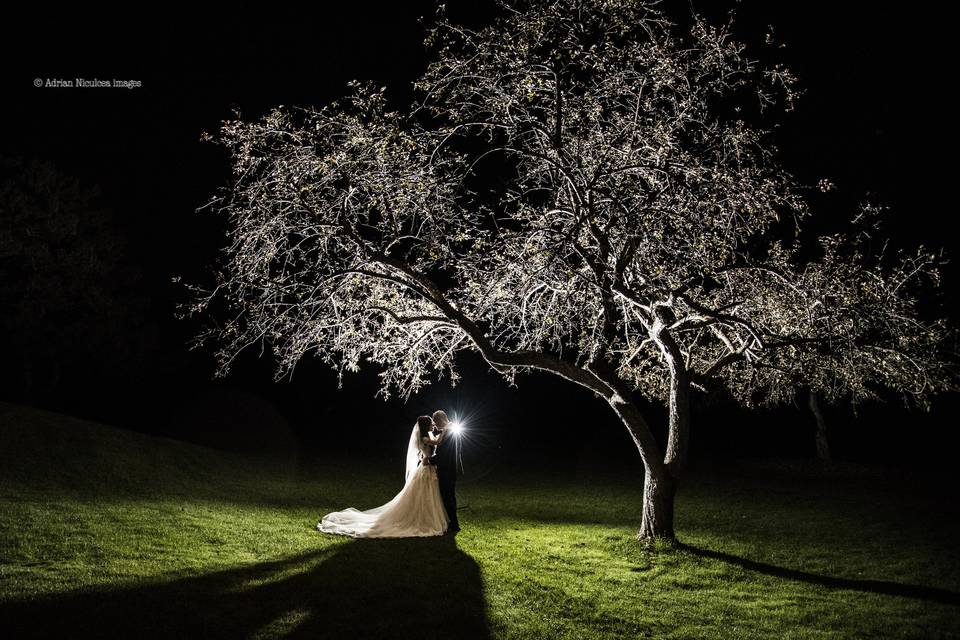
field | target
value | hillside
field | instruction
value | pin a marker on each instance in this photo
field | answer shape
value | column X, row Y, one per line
column 43, row 451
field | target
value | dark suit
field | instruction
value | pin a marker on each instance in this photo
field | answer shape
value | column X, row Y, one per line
column 446, row 460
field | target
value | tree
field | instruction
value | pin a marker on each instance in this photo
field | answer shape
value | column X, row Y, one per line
column 579, row 189
column 66, row 287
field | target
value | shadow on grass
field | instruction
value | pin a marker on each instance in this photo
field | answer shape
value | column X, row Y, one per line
column 405, row 588
column 917, row 592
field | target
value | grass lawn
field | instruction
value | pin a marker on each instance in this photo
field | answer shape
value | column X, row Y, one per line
column 108, row 533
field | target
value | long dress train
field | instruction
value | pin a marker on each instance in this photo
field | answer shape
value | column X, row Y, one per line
column 416, row 511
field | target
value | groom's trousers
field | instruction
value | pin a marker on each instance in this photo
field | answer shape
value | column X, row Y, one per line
column 447, row 478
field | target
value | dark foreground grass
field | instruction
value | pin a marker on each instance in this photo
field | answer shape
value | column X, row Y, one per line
column 106, row 533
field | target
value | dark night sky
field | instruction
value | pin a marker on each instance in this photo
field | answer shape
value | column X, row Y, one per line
column 874, row 119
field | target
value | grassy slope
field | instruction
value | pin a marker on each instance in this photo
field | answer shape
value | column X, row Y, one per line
column 109, row 533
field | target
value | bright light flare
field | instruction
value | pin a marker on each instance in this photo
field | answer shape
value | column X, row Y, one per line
column 456, row 428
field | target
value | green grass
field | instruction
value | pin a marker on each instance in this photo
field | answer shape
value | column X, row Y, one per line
column 109, row 533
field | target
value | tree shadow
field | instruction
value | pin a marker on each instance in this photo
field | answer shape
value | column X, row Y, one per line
column 884, row 587
column 404, row 588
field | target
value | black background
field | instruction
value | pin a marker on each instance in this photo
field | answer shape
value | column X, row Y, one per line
column 875, row 118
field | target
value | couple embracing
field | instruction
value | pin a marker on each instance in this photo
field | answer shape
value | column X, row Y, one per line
column 427, row 504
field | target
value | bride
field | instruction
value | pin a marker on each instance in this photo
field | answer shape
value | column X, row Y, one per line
column 416, row 511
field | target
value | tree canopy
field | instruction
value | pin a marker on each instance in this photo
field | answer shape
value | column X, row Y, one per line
column 582, row 188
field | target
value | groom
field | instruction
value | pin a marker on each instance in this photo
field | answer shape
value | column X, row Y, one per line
column 446, row 460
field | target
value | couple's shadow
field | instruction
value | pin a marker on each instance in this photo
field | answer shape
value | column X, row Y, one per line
column 405, row 588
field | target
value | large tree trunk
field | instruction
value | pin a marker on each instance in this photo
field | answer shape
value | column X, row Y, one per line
column 659, row 490
column 659, row 485
column 662, row 472
column 823, row 444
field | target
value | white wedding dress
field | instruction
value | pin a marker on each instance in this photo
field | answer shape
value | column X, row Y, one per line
column 416, row 511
